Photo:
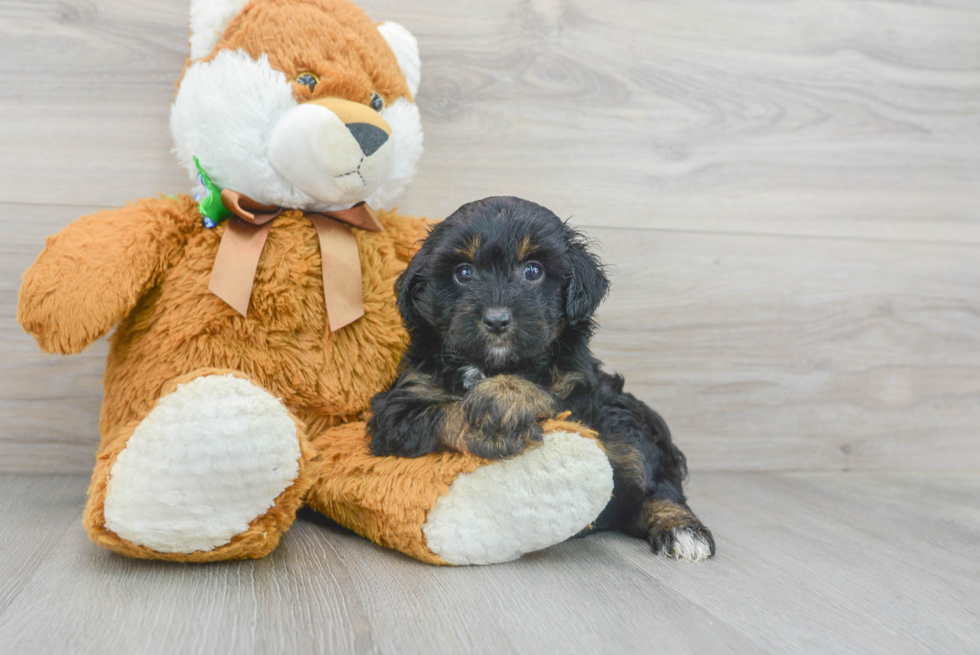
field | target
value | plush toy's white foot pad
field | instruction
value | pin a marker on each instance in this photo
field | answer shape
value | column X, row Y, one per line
column 515, row 506
column 211, row 457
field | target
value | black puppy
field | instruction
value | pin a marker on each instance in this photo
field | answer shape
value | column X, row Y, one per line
column 499, row 303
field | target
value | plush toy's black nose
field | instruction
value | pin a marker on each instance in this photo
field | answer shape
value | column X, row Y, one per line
column 369, row 137
column 498, row 320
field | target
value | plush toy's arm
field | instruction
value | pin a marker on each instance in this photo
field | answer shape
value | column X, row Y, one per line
column 93, row 272
column 407, row 232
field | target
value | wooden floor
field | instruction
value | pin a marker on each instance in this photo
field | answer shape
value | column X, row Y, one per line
column 788, row 196
column 807, row 563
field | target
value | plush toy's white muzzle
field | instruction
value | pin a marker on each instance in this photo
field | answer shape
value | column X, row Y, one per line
column 335, row 150
column 240, row 118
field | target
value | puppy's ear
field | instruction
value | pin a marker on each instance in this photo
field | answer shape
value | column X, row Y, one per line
column 408, row 284
column 588, row 284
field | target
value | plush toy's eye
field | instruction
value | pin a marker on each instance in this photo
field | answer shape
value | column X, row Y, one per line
column 463, row 274
column 308, row 79
column 377, row 102
column 533, row 272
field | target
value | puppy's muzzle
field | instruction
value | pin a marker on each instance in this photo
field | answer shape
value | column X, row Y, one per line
column 498, row 320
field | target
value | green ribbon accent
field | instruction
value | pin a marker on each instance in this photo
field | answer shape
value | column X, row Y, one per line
column 210, row 205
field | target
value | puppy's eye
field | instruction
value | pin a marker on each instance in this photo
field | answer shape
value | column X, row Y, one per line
column 463, row 274
column 533, row 272
column 308, row 79
column 377, row 102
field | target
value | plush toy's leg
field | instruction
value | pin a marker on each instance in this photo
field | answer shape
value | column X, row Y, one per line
column 450, row 508
column 216, row 470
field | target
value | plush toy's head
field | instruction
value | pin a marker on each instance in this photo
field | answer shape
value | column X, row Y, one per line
column 305, row 104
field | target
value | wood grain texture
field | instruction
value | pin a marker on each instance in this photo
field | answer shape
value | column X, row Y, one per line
column 786, row 353
column 762, row 352
column 838, row 117
column 807, row 562
column 844, row 118
column 787, row 193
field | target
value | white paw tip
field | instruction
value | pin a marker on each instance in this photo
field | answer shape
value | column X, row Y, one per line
column 688, row 545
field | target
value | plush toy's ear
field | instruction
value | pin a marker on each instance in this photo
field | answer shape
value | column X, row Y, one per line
column 209, row 18
column 407, row 286
column 588, row 284
column 406, row 50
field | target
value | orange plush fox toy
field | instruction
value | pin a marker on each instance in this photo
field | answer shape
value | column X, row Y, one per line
column 256, row 319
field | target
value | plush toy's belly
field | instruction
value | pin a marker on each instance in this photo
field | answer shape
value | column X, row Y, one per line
column 284, row 343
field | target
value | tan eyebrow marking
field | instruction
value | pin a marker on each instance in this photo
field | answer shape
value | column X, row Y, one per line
column 472, row 246
column 526, row 248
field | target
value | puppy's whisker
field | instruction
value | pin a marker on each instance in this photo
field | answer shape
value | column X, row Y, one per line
column 448, row 352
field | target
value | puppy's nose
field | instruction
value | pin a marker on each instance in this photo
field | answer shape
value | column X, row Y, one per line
column 369, row 137
column 497, row 320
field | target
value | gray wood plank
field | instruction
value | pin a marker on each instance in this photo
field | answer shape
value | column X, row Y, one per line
column 830, row 118
column 807, row 562
column 49, row 405
column 791, row 353
column 840, row 563
column 762, row 352
column 35, row 513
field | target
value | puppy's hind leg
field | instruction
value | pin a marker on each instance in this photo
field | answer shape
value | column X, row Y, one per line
column 649, row 470
column 650, row 507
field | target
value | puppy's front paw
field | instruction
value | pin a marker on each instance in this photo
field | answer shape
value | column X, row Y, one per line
column 507, row 399
column 693, row 543
column 498, row 442
column 502, row 415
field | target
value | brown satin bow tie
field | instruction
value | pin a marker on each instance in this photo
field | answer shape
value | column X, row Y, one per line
column 245, row 234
